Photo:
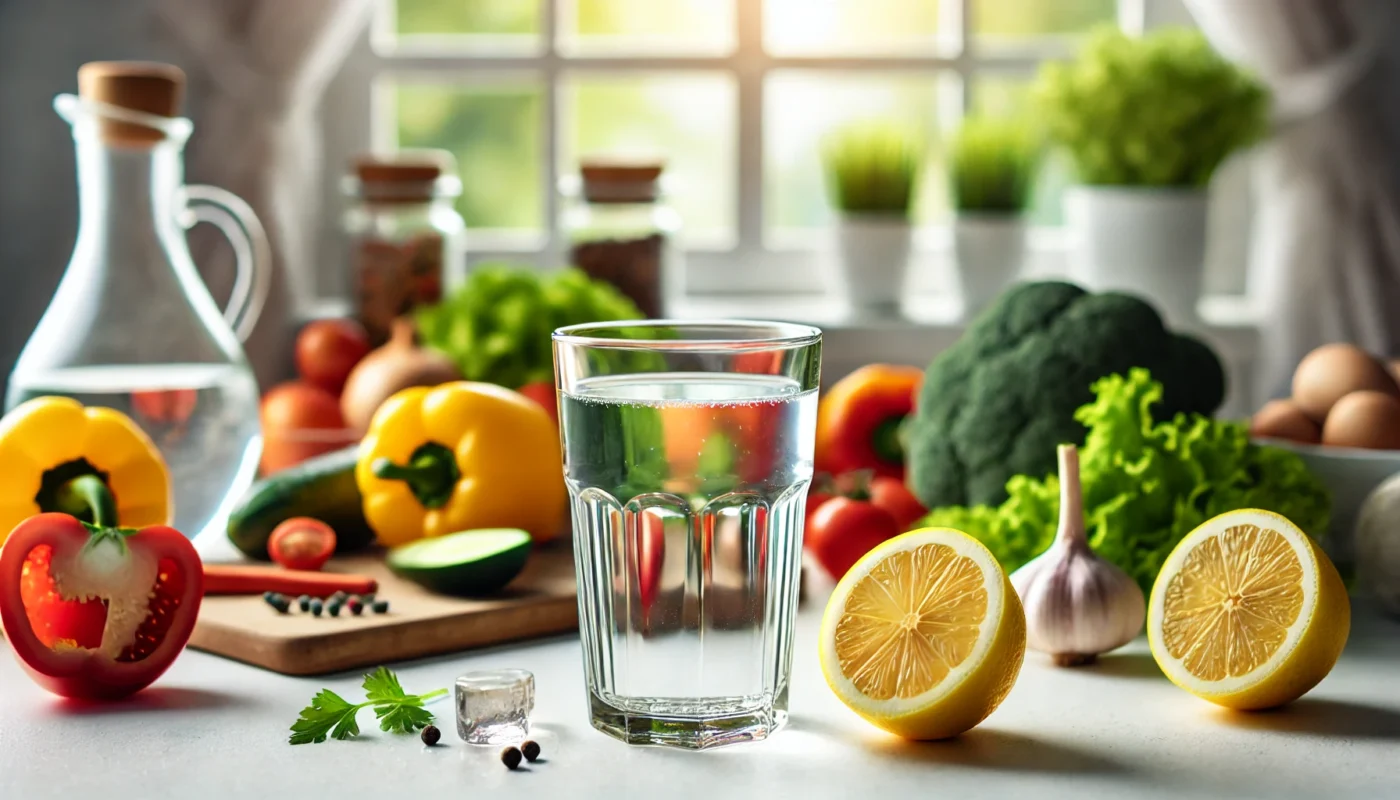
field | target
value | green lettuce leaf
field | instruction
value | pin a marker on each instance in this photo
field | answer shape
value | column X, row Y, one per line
column 1146, row 485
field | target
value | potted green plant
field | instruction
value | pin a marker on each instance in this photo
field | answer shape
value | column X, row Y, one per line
column 872, row 170
column 991, row 170
column 1146, row 122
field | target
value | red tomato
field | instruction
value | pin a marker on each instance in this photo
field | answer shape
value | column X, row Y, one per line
column 542, row 392
column 164, row 405
column 65, row 645
column 815, row 499
column 842, row 530
column 300, row 421
column 892, row 495
column 301, row 543
column 328, row 349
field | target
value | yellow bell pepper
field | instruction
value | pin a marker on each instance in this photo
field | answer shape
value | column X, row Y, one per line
column 47, row 442
column 460, row 456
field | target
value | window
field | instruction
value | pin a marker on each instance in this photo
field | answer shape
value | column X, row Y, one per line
column 735, row 94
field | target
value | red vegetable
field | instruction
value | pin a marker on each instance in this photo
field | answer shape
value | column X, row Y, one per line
column 842, row 530
column 301, row 543
column 246, row 579
column 140, row 595
column 892, row 495
column 328, row 349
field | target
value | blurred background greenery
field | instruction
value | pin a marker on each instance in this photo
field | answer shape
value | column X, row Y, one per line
column 494, row 124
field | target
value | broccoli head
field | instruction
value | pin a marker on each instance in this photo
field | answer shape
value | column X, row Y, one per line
column 998, row 402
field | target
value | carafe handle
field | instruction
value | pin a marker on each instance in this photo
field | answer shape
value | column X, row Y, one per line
column 252, row 252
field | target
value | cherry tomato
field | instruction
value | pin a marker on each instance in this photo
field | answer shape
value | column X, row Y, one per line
column 328, row 349
column 892, row 495
column 542, row 392
column 301, row 543
column 165, row 405
column 300, row 421
column 842, row 530
column 815, row 499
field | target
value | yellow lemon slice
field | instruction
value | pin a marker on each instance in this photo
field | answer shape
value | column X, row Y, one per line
column 924, row 636
column 1248, row 612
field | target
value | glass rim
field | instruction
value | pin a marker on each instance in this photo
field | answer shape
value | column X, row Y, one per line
column 785, row 335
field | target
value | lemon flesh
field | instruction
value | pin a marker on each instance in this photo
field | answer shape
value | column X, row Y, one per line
column 1248, row 612
column 924, row 637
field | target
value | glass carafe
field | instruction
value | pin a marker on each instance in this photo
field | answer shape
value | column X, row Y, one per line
column 132, row 325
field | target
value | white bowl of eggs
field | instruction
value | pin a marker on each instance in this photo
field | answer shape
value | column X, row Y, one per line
column 1343, row 419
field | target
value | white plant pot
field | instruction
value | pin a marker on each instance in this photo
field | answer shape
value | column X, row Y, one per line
column 1144, row 241
column 989, row 249
column 868, row 259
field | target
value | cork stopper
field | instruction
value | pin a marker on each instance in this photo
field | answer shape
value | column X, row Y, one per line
column 144, row 86
column 620, row 181
column 409, row 176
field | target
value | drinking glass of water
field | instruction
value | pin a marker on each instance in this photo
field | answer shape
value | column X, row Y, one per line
column 688, row 453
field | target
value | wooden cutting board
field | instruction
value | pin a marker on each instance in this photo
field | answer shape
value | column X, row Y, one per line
column 539, row 602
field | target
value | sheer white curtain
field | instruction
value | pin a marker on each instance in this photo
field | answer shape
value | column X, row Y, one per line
column 263, row 66
column 1326, row 244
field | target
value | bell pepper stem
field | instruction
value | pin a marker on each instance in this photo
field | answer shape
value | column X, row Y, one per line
column 888, row 441
column 88, row 498
column 431, row 473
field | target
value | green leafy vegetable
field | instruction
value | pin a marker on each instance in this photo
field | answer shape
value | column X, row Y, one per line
column 332, row 715
column 1146, row 484
column 1159, row 110
column 497, row 327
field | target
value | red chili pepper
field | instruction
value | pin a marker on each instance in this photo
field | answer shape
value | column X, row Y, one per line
column 859, row 420
column 92, row 611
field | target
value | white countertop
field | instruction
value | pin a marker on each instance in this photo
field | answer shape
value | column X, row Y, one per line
column 212, row 729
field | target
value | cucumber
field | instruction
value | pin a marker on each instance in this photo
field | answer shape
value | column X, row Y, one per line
column 322, row 487
column 466, row 563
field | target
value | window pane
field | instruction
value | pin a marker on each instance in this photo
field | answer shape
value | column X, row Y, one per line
column 466, row 17
column 1020, row 19
column 1009, row 95
column 797, row 27
column 687, row 119
column 630, row 26
column 494, row 131
column 803, row 107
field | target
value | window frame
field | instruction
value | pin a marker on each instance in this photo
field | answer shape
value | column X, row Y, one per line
column 758, row 260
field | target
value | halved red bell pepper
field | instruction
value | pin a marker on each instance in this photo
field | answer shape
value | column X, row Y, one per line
column 93, row 611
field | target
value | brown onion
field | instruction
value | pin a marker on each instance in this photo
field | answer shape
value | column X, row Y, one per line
column 399, row 364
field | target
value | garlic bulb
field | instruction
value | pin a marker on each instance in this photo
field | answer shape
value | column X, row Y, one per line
column 1077, row 604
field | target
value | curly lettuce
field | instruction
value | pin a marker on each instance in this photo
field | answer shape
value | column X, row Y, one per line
column 1146, row 484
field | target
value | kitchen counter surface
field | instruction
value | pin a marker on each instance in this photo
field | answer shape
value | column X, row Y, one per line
column 213, row 729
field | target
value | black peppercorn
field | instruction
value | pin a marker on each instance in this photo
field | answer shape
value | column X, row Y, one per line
column 333, row 608
column 431, row 735
column 316, row 607
column 355, row 606
column 531, row 749
column 511, row 757
column 304, row 602
column 381, row 606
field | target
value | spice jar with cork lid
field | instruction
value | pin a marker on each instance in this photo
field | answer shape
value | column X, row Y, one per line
column 406, row 238
column 620, row 230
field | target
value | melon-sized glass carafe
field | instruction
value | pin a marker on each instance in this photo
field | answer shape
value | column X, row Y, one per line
column 132, row 325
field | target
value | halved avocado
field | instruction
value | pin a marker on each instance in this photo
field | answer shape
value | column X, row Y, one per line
column 465, row 564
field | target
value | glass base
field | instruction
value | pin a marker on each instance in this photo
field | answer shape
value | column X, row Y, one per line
column 690, row 725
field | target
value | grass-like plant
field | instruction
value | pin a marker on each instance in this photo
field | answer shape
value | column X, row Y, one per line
column 1161, row 110
column 872, row 167
column 992, row 164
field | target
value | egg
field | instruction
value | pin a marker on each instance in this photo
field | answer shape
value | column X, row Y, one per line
column 1282, row 419
column 1333, row 371
column 1364, row 419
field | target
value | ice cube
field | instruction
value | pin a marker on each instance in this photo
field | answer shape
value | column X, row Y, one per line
column 493, row 706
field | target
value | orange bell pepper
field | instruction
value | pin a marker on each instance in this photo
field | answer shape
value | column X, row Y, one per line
column 859, row 420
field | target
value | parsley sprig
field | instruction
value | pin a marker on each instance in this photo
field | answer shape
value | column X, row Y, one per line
column 332, row 715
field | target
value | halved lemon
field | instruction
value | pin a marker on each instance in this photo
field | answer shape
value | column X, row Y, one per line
column 924, row 636
column 1248, row 612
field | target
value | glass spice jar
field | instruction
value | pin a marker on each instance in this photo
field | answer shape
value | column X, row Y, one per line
column 406, row 238
column 621, row 231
